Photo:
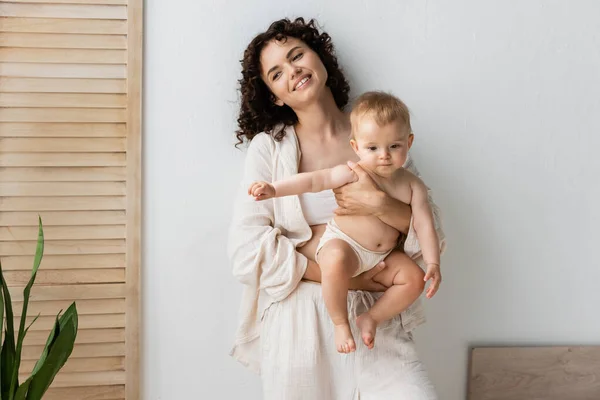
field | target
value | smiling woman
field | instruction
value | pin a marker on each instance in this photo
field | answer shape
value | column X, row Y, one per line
column 292, row 115
column 263, row 103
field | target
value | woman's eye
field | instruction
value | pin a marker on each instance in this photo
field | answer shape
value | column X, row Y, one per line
column 276, row 75
column 298, row 56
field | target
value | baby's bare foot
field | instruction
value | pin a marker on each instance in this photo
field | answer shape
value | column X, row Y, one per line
column 343, row 339
column 368, row 327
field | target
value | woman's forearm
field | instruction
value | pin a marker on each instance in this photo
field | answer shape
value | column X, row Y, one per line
column 361, row 282
column 395, row 213
column 313, row 272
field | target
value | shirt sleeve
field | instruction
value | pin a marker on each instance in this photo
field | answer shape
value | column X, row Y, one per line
column 262, row 256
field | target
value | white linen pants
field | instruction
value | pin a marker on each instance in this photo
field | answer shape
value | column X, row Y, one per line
column 299, row 360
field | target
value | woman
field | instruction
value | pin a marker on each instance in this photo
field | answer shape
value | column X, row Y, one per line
column 293, row 95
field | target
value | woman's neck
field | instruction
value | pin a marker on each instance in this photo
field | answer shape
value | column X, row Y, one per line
column 322, row 119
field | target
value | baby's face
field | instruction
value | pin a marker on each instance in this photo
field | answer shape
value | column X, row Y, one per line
column 382, row 149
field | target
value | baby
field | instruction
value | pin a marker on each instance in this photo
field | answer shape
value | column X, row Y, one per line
column 351, row 245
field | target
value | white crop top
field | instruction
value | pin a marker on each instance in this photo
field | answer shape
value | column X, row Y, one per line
column 318, row 207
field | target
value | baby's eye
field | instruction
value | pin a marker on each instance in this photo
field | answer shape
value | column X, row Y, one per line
column 372, row 148
column 396, row 146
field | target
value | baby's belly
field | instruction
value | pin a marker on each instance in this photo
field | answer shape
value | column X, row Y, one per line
column 369, row 232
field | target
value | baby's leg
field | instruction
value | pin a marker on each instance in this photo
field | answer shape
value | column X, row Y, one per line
column 405, row 281
column 338, row 263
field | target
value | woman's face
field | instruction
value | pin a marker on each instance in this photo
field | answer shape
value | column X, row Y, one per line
column 293, row 72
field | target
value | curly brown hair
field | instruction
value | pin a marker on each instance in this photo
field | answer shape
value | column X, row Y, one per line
column 258, row 112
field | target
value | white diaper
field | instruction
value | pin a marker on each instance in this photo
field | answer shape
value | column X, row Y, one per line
column 367, row 259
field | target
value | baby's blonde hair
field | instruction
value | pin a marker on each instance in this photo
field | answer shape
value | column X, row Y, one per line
column 383, row 107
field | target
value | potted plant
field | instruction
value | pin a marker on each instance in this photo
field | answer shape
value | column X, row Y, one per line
column 58, row 346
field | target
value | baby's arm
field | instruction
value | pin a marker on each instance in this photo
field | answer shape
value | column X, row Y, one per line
column 315, row 181
column 424, row 225
column 423, row 222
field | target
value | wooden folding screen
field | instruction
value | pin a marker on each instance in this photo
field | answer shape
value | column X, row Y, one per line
column 70, row 151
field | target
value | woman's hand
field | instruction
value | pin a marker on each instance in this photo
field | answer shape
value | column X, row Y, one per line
column 367, row 280
column 362, row 197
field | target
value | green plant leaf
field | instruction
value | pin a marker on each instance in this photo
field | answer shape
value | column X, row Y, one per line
column 22, row 390
column 49, row 343
column 58, row 353
column 39, row 253
column 7, row 356
column 39, row 250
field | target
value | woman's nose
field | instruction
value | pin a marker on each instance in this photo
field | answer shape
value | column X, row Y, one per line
column 294, row 72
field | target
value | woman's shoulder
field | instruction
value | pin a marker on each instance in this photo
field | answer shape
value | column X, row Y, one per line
column 260, row 143
column 266, row 142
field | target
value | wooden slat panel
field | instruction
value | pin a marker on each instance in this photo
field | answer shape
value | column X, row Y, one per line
column 72, row 261
column 82, row 365
column 79, row 379
column 124, row 2
column 549, row 373
column 63, row 11
column 81, row 232
column 70, row 292
column 84, row 307
column 50, row 51
column 108, row 335
column 80, row 350
column 59, row 145
column 59, row 41
column 113, row 392
column 63, row 100
column 10, row 189
column 61, row 174
column 70, row 218
column 134, row 195
column 80, row 203
column 54, row 25
column 34, row 70
column 63, row 247
column 84, row 322
column 56, row 85
column 63, row 56
column 62, row 159
column 67, row 277
column 61, row 115
column 29, row 129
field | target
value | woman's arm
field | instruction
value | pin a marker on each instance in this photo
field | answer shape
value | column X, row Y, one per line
column 363, row 281
column 363, row 197
column 262, row 256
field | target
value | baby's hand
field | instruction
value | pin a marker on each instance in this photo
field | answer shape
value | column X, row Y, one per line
column 261, row 190
column 433, row 273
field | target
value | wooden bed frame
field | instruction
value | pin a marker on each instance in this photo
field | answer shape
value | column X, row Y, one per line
column 534, row 373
